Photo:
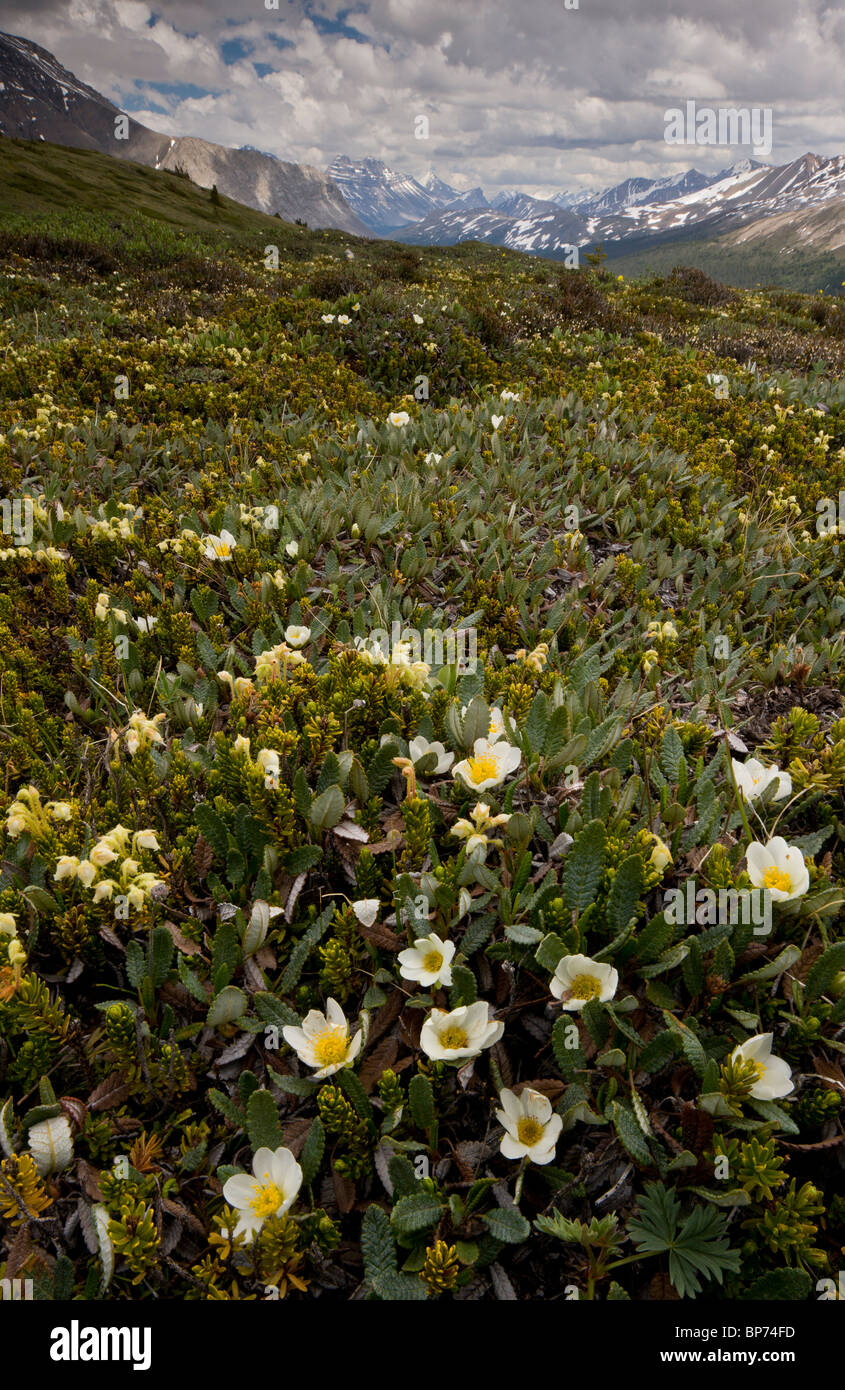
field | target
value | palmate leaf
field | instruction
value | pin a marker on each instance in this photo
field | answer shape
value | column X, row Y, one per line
column 698, row 1246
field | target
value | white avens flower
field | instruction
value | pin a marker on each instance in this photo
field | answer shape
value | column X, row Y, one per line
column 297, row 636
column 779, row 867
column 419, row 746
column 428, row 961
column 399, row 418
column 752, row 778
column 460, row 1033
column 323, row 1041
column 220, row 547
column 292, row 549
column 273, row 1188
column 489, row 764
column 578, row 979
column 774, row 1075
column 531, row 1127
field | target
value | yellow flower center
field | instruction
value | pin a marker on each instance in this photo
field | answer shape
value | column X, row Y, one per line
column 222, row 549
column 331, row 1046
column 267, row 1199
column 482, row 767
column 585, row 987
column 529, row 1130
column 432, row 961
column 760, row 1069
column 777, row 878
column 453, row 1038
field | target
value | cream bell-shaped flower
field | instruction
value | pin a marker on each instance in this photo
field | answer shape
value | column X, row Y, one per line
column 774, row 1075
column 268, row 761
column 272, row 1189
column 779, row 867
column 8, row 924
column 661, row 855
column 753, row 778
column 578, row 979
column 531, row 1127
column 489, row 764
column 460, row 1033
column 428, row 961
column 323, row 1041
column 419, row 746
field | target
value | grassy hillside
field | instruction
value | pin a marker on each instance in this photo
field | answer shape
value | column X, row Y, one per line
column 41, row 179
column 247, row 511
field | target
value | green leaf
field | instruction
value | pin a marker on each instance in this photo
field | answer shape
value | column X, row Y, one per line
column 693, row 1050
column 350, row 1084
column 671, row 753
column 136, row 963
column 229, row 1005
column 381, row 769
column 654, row 939
column 569, row 1059
column 698, row 1247
column 823, row 972
column 327, row 808
column 464, row 989
column 402, row 1175
column 300, row 860
column 416, row 1213
column 550, row 951
column 788, row 956
column 377, row 1247
column 272, row 1010
column 602, row 739
column 227, row 1107
column 584, row 866
column 303, row 948
column 630, row 1134
column 421, row 1101
column 212, row 828
column 783, row 1284
column 624, row 893
column 659, row 1052
column 507, row 1224
column 312, row 1152
column 162, row 947
column 262, row 1121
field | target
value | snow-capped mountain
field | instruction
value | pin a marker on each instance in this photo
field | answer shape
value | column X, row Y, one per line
column 41, row 100
column 638, row 209
column 547, row 233
column 381, row 197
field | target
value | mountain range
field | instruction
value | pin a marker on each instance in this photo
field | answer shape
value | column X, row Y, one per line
column 41, row 100
column 800, row 204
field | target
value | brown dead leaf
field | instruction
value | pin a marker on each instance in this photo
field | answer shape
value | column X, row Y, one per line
column 295, row 1133
column 20, row 1250
column 110, row 1092
column 380, row 935
column 386, row 1015
column 183, row 942
column 394, row 840
column 830, row 1072
column 88, row 1176
column 344, row 1191
column 378, row 1061
column 547, row 1086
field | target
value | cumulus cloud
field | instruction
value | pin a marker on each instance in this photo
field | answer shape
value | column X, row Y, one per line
column 528, row 94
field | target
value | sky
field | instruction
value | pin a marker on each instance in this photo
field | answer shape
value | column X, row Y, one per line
column 515, row 93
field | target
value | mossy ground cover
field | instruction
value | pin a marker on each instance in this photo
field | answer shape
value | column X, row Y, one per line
column 220, row 808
